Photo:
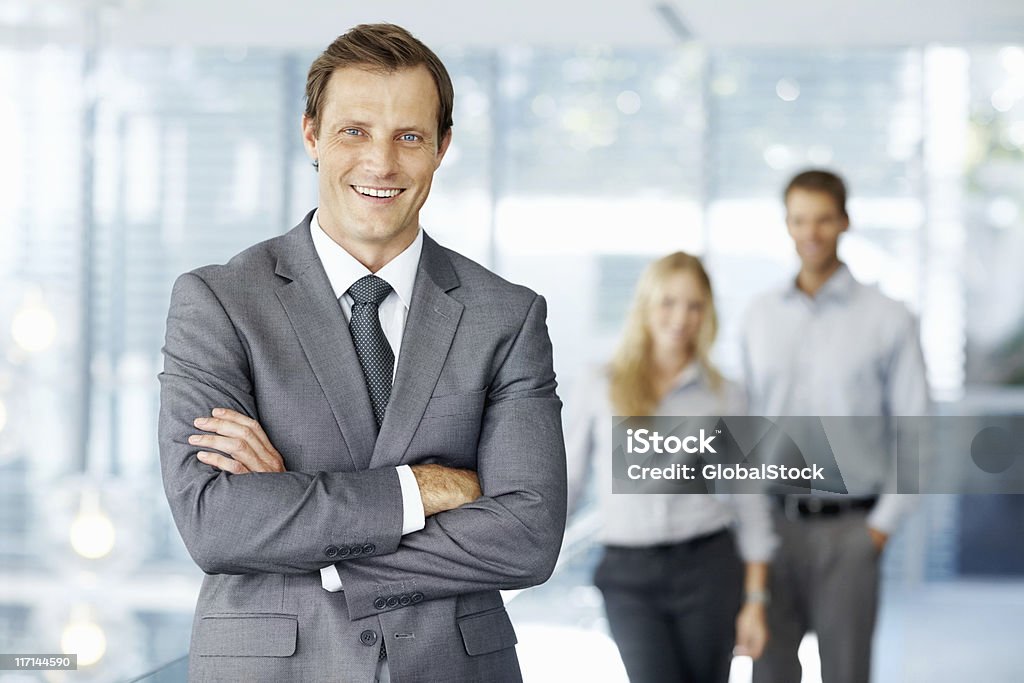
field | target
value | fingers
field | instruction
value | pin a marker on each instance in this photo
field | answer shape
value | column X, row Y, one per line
column 752, row 646
column 247, row 423
column 241, row 438
column 755, row 648
column 231, row 423
column 222, row 462
column 751, row 633
column 238, row 449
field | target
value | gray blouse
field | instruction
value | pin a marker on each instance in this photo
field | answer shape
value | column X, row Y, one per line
column 653, row 519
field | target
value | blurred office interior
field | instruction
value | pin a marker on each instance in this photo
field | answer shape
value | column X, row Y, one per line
column 140, row 139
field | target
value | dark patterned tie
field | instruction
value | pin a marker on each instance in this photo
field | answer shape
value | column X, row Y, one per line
column 372, row 347
column 373, row 350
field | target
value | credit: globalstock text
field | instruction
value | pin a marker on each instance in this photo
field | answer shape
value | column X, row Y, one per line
column 643, row 441
column 751, row 472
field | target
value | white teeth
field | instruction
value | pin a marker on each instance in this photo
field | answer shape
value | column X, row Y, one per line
column 374, row 192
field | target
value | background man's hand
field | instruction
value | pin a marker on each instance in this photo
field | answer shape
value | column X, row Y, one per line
column 445, row 488
column 239, row 436
column 751, row 630
column 879, row 538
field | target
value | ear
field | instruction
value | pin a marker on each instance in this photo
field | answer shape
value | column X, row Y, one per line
column 309, row 137
column 844, row 224
column 442, row 148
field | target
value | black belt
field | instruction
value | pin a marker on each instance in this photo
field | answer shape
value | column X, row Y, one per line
column 689, row 543
column 806, row 506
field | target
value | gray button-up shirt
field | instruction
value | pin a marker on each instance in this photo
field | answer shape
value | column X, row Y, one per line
column 633, row 519
column 849, row 350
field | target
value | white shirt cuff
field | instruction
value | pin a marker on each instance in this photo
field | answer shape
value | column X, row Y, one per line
column 412, row 502
column 329, row 579
column 412, row 520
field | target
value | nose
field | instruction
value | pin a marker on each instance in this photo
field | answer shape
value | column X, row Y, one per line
column 677, row 315
column 380, row 159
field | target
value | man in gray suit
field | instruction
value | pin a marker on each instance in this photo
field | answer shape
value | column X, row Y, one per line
column 390, row 501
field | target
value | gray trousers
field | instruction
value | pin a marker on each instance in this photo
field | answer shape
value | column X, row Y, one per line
column 672, row 608
column 824, row 579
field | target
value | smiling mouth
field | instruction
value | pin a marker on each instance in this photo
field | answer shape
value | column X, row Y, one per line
column 378, row 192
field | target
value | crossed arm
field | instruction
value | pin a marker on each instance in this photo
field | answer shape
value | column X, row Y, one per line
column 243, row 439
column 498, row 527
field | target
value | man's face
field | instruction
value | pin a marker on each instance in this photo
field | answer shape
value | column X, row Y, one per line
column 377, row 150
column 815, row 224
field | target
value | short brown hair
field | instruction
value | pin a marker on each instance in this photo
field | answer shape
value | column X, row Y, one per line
column 382, row 47
column 817, row 180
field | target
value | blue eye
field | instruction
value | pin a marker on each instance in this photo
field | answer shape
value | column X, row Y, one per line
column 409, row 137
column 351, row 131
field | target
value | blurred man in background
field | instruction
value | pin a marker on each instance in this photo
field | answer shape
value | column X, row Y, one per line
column 825, row 344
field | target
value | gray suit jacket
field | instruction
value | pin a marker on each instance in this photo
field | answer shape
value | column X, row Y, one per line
column 474, row 388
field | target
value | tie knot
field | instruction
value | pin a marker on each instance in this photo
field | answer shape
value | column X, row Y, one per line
column 369, row 289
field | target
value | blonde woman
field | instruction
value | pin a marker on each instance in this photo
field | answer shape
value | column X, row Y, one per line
column 677, row 594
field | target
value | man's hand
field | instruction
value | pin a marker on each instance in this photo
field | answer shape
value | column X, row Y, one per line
column 240, row 437
column 879, row 538
column 445, row 488
column 751, row 630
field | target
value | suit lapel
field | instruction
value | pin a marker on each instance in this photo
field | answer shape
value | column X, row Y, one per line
column 429, row 331
column 319, row 324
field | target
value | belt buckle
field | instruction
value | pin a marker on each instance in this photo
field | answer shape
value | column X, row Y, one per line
column 814, row 505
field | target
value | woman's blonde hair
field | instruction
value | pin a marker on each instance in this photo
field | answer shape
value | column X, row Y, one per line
column 632, row 371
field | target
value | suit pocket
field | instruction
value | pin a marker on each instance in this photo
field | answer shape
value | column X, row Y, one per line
column 247, row 635
column 487, row 631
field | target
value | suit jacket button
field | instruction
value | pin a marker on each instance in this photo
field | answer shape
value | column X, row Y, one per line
column 368, row 549
column 331, row 551
column 380, row 603
column 417, row 597
column 392, row 601
column 357, row 550
column 404, row 600
column 344, row 551
column 368, row 637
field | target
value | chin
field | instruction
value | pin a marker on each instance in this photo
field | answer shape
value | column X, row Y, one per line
column 378, row 233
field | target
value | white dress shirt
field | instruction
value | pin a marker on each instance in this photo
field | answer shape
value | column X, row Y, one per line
column 645, row 519
column 400, row 272
column 848, row 350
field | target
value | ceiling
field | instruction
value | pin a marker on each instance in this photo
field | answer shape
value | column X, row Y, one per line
column 312, row 23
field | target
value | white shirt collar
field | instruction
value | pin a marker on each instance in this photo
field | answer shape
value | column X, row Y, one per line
column 839, row 285
column 343, row 269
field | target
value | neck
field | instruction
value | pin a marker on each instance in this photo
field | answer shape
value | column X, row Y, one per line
column 810, row 281
column 373, row 255
column 668, row 364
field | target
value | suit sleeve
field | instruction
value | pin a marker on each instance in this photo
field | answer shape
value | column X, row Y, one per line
column 510, row 537
column 289, row 522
